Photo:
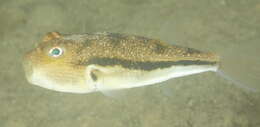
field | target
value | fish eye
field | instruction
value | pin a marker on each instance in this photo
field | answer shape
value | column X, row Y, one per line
column 56, row 52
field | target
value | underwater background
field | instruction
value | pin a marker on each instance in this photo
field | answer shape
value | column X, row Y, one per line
column 228, row 27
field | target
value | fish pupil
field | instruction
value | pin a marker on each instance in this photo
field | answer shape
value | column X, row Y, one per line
column 55, row 52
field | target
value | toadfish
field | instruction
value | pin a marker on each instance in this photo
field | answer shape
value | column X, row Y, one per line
column 84, row 63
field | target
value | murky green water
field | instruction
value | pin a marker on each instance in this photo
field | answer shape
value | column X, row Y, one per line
column 229, row 27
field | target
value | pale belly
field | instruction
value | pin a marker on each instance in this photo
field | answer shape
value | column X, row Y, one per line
column 121, row 78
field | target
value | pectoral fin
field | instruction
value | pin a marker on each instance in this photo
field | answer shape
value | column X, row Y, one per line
column 112, row 78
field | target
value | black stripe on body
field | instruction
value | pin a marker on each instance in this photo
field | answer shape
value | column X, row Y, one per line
column 147, row 66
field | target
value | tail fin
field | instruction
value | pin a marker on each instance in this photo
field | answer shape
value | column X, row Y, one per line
column 241, row 66
column 236, row 82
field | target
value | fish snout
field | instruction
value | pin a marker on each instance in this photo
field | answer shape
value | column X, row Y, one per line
column 27, row 66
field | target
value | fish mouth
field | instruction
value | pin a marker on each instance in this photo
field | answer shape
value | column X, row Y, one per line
column 28, row 68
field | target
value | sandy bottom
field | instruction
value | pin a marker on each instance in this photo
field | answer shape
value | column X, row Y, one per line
column 227, row 27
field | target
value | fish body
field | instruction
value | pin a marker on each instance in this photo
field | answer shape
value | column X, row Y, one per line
column 83, row 63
